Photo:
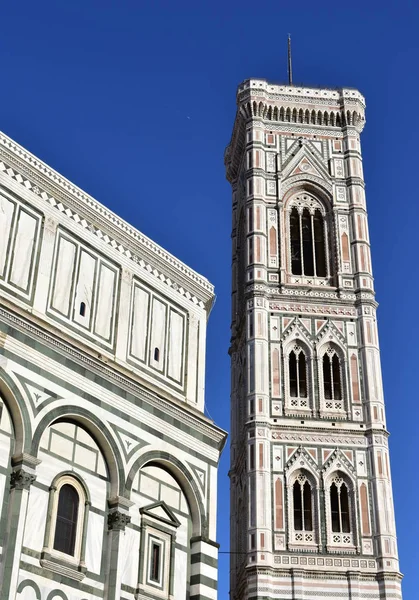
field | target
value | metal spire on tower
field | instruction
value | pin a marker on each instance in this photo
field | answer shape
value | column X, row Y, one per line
column 289, row 60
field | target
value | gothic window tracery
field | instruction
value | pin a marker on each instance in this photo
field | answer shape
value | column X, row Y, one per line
column 297, row 378
column 302, row 510
column 308, row 241
column 340, row 511
column 332, row 380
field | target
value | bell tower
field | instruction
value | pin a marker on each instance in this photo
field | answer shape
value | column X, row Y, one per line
column 311, row 495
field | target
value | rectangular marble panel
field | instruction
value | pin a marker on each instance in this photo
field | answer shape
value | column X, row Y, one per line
column 94, row 542
column 23, row 250
column 64, row 274
column 105, row 302
column 176, row 331
column 139, row 332
column 7, row 209
column 84, row 289
column 158, row 334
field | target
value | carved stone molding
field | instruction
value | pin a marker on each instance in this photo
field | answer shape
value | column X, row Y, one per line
column 21, row 479
column 118, row 520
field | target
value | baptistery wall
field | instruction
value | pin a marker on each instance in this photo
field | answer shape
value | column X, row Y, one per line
column 108, row 465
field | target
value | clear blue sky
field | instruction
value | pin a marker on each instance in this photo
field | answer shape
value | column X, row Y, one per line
column 134, row 101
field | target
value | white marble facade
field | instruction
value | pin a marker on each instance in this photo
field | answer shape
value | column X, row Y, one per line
column 310, row 472
column 108, row 466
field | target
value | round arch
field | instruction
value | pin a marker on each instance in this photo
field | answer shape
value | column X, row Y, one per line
column 184, row 478
column 100, row 434
column 17, row 408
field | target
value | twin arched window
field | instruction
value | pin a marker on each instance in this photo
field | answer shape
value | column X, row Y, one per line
column 302, row 504
column 340, row 502
column 308, row 242
column 340, row 525
column 331, row 379
column 297, row 373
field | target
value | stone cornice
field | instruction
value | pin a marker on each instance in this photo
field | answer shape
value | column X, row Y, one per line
column 89, row 214
column 176, row 409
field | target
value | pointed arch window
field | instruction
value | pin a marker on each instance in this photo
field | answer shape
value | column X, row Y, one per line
column 297, row 368
column 301, row 512
column 340, row 511
column 332, row 380
column 308, row 242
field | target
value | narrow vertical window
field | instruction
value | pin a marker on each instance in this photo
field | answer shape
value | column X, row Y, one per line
column 155, row 562
column 337, row 392
column 334, row 507
column 307, row 239
column 296, row 266
column 298, row 508
column 297, row 373
column 156, row 354
column 332, row 381
column 319, row 244
column 302, row 505
column 302, row 375
column 308, row 518
column 293, row 375
column 339, row 506
column 327, row 377
column 66, row 523
column 82, row 309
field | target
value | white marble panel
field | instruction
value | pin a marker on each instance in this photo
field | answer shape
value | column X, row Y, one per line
column 23, row 250
column 139, row 332
column 94, row 542
column 85, row 457
column 175, row 345
column 64, row 274
column 181, row 568
column 61, row 446
column 36, row 519
column 6, row 216
column 105, row 302
column 84, row 290
column 129, row 564
column 158, row 334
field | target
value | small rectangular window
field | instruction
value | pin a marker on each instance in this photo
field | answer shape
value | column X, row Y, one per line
column 155, row 562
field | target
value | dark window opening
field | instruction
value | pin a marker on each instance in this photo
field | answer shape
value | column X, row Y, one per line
column 334, row 507
column 319, row 246
column 297, row 375
column 298, row 512
column 66, row 524
column 293, row 375
column 307, row 232
column 156, row 354
column 337, row 393
column 339, row 506
column 308, row 524
column 332, row 384
column 308, row 248
column 296, row 266
column 302, row 375
column 303, row 514
column 155, row 562
column 82, row 309
column 327, row 377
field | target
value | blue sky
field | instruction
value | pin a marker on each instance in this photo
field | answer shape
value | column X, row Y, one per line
column 134, row 102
